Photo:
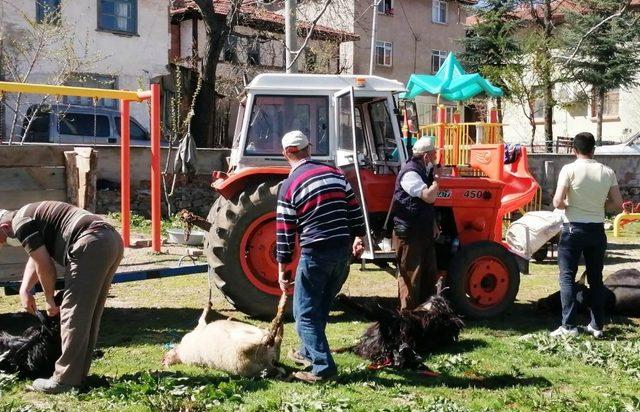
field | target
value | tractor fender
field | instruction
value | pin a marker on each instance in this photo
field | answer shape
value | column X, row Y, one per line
column 229, row 185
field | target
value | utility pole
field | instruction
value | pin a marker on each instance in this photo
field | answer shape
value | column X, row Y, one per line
column 373, row 36
column 291, row 36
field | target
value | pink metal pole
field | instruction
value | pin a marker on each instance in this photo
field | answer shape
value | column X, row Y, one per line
column 155, row 167
column 125, row 196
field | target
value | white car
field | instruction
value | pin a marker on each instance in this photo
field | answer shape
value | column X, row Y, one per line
column 631, row 146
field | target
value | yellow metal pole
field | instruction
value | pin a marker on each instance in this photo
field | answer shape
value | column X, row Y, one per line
column 32, row 88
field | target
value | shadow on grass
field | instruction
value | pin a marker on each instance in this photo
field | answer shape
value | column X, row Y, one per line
column 98, row 381
column 522, row 317
column 413, row 378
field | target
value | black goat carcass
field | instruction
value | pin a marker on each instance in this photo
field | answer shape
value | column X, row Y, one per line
column 622, row 295
column 34, row 353
column 400, row 338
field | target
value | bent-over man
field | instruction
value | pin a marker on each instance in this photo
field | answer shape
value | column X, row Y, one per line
column 91, row 251
column 317, row 204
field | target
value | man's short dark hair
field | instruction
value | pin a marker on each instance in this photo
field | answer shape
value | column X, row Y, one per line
column 584, row 143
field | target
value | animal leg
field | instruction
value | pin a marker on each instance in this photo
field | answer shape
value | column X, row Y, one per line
column 202, row 322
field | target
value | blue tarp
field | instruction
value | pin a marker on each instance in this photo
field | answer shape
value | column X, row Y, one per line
column 451, row 82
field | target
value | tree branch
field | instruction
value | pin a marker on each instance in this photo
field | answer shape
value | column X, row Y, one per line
column 592, row 30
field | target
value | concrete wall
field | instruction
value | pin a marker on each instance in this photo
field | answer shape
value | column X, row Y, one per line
column 133, row 59
column 546, row 167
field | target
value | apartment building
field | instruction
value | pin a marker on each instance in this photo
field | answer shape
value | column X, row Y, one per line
column 118, row 44
column 412, row 36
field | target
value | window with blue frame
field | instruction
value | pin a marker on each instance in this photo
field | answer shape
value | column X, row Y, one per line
column 48, row 11
column 118, row 16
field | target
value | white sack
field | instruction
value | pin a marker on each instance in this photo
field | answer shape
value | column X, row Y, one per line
column 529, row 233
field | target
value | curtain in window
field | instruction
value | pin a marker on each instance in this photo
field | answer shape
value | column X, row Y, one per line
column 123, row 13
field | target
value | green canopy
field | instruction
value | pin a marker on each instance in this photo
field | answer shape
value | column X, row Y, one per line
column 451, row 83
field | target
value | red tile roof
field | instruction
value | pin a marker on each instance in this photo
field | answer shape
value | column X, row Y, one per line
column 259, row 18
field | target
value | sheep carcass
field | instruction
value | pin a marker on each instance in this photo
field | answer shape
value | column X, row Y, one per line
column 234, row 347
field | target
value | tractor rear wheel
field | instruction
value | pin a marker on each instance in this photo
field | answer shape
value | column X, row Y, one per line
column 484, row 280
column 241, row 247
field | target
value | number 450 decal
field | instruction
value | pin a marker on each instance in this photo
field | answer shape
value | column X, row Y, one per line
column 474, row 194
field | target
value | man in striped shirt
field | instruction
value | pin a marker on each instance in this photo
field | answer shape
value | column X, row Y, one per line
column 317, row 204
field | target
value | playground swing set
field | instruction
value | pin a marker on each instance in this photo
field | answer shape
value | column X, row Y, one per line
column 125, row 97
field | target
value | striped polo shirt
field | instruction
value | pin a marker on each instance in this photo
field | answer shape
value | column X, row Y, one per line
column 317, row 203
column 55, row 225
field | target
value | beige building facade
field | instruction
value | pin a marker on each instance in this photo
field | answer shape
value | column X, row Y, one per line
column 412, row 36
column 120, row 44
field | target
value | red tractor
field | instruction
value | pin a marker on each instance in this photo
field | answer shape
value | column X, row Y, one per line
column 351, row 122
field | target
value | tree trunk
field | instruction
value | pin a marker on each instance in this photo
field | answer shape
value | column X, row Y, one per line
column 601, row 95
column 548, row 84
column 548, row 116
column 532, row 123
column 217, row 28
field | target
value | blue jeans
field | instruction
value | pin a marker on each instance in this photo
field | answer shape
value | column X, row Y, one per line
column 320, row 275
column 578, row 239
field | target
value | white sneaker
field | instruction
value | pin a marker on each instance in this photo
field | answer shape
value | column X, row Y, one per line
column 596, row 333
column 564, row 331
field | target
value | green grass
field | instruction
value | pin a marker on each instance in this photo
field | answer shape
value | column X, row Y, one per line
column 142, row 225
column 507, row 363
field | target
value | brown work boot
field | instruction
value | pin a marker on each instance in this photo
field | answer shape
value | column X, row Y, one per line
column 298, row 359
column 308, row 377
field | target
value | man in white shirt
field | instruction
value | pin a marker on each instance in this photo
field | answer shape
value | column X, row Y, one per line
column 414, row 227
column 585, row 189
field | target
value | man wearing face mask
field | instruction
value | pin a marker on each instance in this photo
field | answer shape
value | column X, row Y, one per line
column 91, row 251
column 414, row 226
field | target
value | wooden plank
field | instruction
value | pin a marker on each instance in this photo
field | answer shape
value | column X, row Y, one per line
column 17, row 199
column 12, row 255
column 31, row 178
column 11, row 272
column 28, row 155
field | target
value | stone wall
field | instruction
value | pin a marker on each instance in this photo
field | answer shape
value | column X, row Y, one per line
column 546, row 166
column 194, row 193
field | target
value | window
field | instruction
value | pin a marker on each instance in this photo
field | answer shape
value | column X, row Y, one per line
column 382, row 128
column 384, row 53
column 253, row 53
column 273, row 116
column 439, row 11
column 39, row 129
column 118, row 16
column 135, row 131
column 48, row 11
column 437, row 58
column 385, row 7
column 98, row 81
column 428, row 113
column 311, row 61
column 229, row 51
column 345, row 139
column 611, row 104
column 80, row 124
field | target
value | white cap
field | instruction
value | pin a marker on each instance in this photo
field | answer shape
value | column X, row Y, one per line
column 295, row 138
column 424, row 144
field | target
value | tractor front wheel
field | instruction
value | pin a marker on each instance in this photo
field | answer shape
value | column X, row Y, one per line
column 484, row 280
column 241, row 250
